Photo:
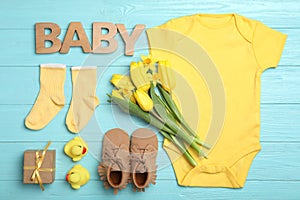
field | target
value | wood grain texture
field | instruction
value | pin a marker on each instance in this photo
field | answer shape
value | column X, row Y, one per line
column 269, row 158
column 164, row 189
column 275, row 171
column 17, row 48
column 276, row 13
column 275, row 118
column 25, row 80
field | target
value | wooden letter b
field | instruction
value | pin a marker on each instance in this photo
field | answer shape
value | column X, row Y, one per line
column 40, row 38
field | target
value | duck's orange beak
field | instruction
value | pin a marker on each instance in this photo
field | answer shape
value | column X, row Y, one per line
column 67, row 177
column 83, row 150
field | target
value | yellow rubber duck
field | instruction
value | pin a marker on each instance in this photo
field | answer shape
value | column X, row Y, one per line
column 76, row 148
column 77, row 176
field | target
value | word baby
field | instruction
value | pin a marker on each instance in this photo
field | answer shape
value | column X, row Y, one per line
column 76, row 29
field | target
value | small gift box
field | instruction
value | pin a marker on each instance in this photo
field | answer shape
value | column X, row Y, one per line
column 39, row 166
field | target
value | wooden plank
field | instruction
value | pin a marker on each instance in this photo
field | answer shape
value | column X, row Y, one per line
column 279, row 85
column 168, row 190
column 279, row 122
column 270, row 163
column 18, row 49
column 274, row 13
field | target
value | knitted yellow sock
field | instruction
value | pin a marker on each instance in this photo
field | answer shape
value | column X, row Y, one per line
column 51, row 97
column 84, row 101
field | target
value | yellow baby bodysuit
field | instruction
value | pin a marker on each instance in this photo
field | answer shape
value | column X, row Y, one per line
column 218, row 60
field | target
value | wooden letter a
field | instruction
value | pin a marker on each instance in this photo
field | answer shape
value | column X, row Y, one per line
column 83, row 41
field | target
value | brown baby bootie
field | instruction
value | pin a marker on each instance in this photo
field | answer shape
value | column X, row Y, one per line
column 114, row 169
column 143, row 151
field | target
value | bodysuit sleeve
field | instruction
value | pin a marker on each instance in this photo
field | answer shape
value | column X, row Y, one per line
column 268, row 45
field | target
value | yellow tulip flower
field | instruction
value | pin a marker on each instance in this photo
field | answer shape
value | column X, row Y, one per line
column 149, row 62
column 166, row 75
column 139, row 76
column 122, row 82
column 117, row 94
column 143, row 100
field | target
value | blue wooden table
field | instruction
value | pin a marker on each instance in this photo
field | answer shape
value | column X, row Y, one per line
column 275, row 173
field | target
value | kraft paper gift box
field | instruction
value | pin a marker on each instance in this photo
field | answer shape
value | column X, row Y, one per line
column 39, row 168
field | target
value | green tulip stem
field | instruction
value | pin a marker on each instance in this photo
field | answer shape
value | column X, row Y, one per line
column 172, row 128
column 184, row 151
column 173, row 107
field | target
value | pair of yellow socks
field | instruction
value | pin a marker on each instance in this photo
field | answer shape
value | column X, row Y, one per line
column 51, row 98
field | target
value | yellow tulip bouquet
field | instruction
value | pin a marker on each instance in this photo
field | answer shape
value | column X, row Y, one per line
column 137, row 95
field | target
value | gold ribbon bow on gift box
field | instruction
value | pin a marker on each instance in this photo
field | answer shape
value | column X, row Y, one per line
column 37, row 168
